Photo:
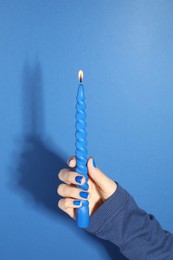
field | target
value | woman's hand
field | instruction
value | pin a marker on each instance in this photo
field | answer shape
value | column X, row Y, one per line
column 100, row 188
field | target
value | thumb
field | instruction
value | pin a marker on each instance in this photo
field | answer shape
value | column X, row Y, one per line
column 106, row 185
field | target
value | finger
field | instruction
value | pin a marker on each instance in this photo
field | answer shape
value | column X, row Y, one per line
column 107, row 185
column 70, row 177
column 66, row 203
column 97, row 175
column 65, row 190
column 71, row 161
column 69, row 205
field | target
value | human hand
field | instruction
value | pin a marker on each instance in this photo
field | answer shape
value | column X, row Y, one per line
column 100, row 189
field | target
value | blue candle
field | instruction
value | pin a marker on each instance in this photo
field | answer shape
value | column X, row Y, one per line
column 82, row 213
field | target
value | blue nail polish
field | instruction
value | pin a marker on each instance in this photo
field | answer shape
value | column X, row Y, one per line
column 76, row 202
column 84, row 194
column 78, row 179
column 94, row 164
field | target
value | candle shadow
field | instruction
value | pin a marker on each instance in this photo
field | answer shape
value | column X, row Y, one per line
column 33, row 171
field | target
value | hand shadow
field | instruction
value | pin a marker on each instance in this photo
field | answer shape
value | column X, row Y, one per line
column 39, row 161
column 37, row 168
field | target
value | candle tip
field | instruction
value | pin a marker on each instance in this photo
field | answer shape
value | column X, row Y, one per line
column 80, row 76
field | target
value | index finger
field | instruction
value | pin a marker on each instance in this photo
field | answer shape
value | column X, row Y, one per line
column 70, row 177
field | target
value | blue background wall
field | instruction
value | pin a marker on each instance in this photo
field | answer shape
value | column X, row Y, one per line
column 125, row 50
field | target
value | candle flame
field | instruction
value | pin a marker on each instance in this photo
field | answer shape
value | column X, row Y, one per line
column 80, row 76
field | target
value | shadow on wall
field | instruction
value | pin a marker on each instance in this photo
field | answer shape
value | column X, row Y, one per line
column 39, row 161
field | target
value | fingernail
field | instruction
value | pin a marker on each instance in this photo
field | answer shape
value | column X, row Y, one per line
column 78, row 179
column 94, row 164
column 76, row 202
column 69, row 159
column 84, row 194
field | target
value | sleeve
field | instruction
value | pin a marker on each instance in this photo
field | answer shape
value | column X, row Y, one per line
column 138, row 235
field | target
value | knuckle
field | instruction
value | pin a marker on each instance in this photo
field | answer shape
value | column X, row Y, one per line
column 60, row 189
column 63, row 174
column 60, row 203
column 60, row 174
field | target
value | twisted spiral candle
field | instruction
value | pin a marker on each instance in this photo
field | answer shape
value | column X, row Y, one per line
column 82, row 213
